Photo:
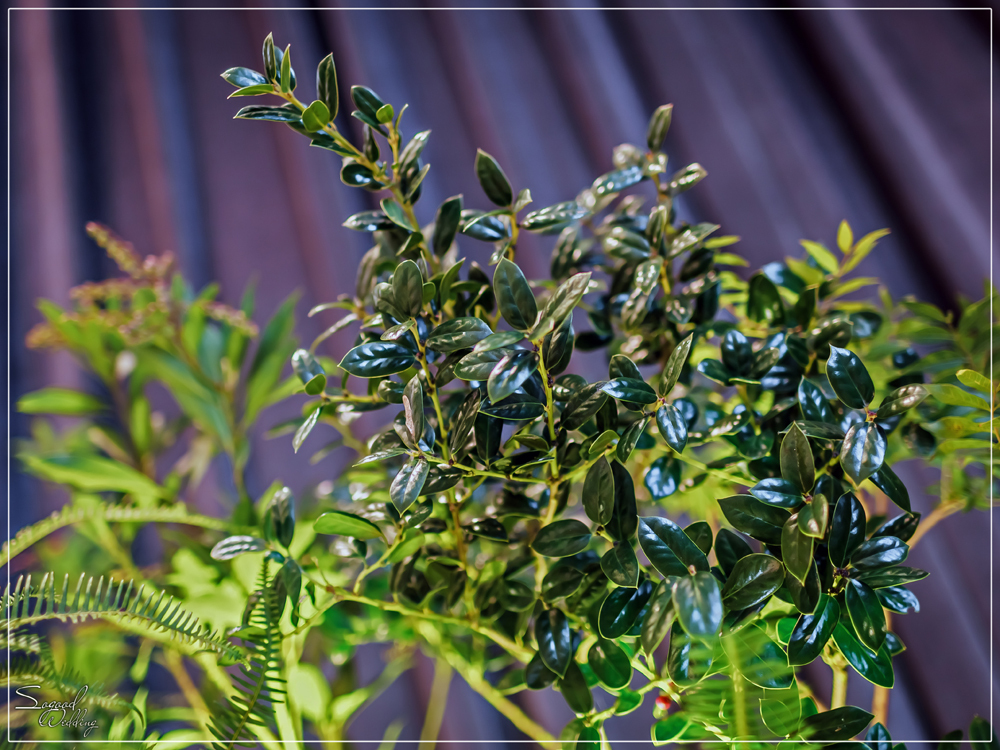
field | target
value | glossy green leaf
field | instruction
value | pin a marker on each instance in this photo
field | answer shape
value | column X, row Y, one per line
column 675, row 364
column 624, row 518
column 797, row 465
column 754, row 518
column 561, row 581
column 621, row 566
column 413, row 409
column 897, row 576
column 778, row 492
column 663, row 478
column 796, row 549
column 658, row 126
column 305, row 428
column 752, row 580
column 730, row 548
column 562, row 538
column 459, row 333
column 630, row 390
column 804, row 594
column 552, row 634
column 493, row 180
column 346, row 524
column 713, row 369
column 315, row 116
column 326, row 85
column 812, row 631
column 611, row 665
column 814, row 405
column 836, row 725
column 408, row 483
column 867, row 616
column 510, row 373
column 621, row 608
column 876, row 668
column 463, row 421
column 887, row 481
column 700, row 532
column 814, row 517
column 672, row 426
column 446, row 222
column 514, row 297
column 575, row 690
column 849, row 378
column 561, row 304
column 377, row 359
column 234, row 546
column 847, row 529
column 659, row 616
column 479, row 365
column 863, row 451
column 821, row 430
column 243, row 77
column 698, row 603
column 630, row 437
column 669, row 549
column 536, row 675
column 764, row 304
column 599, row 492
column 879, row 552
column 901, row 400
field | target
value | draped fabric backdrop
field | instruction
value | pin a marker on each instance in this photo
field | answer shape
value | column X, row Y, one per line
column 801, row 117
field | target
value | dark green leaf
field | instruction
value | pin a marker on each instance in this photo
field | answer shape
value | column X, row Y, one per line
column 633, row 433
column 867, row 616
column 698, row 603
column 326, row 85
column 368, row 221
column 514, row 297
column 413, row 409
column 753, row 579
column 980, row 731
column 713, row 369
column 584, row 404
column 730, row 548
column 813, row 631
column 536, row 675
column 804, row 594
column 408, row 483
column 463, row 421
column 821, row 430
column 672, row 426
column 234, row 546
column 553, row 218
column 561, row 304
column 902, row 527
column 493, row 180
column 561, row 581
column 849, row 378
column 621, row 566
column 621, row 608
column 879, row 552
column 658, row 617
column 599, row 492
column 876, row 668
column 675, row 363
column 901, row 400
column 737, row 354
column 764, row 304
column 898, row 599
column 663, row 478
column 460, row 333
column 887, row 481
column 449, row 216
column 554, row 640
column 611, row 665
column 778, row 492
column 272, row 114
column 346, row 524
column 836, row 725
column 687, row 661
column 863, row 451
column 669, row 549
column 574, row 689
column 847, row 529
column 796, row 549
column 562, row 538
column 754, row 518
column 814, row 405
column 377, row 359
column 886, row 577
column 510, row 373
column 700, row 532
column 615, row 182
column 624, row 518
column 814, row 516
column 479, row 365
column 630, row 390
column 243, row 77
column 659, row 124
column 797, row 466
column 516, row 407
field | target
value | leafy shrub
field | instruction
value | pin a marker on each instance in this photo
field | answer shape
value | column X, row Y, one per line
column 511, row 521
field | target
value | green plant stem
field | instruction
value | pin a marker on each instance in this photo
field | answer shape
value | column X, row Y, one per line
column 436, row 703
column 474, row 677
column 838, row 694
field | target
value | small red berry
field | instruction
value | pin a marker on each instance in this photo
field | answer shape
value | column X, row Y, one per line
column 663, row 702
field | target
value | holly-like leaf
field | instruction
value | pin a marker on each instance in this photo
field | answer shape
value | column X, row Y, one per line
column 346, row 524
column 730, row 548
column 813, row 403
column 562, row 538
column 561, row 304
column 621, row 566
column 796, row 549
column 849, row 378
column 867, row 616
column 408, row 483
column 672, row 426
column 234, row 546
column 812, row 631
column 901, row 400
column 669, row 549
column 493, row 180
column 752, row 580
column 514, row 297
column 510, row 373
column 460, row 333
column 778, row 492
column 754, row 518
column 698, row 603
column 887, row 481
column 847, row 529
column 611, row 664
column 377, row 359
column 621, row 608
column 413, row 409
column 876, row 668
column 599, row 492
column 863, row 451
column 797, row 465
column 879, row 552
column 675, row 364
column 552, row 634
column 836, row 725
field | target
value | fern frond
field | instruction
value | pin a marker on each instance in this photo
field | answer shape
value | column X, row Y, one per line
column 258, row 684
column 121, row 603
column 72, row 514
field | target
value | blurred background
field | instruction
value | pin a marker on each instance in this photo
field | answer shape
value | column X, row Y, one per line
column 801, row 117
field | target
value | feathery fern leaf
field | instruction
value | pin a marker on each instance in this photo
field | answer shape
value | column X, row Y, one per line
column 258, row 684
column 28, row 605
column 24, row 670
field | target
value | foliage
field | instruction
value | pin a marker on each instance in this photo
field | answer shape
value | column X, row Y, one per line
column 511, row 520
